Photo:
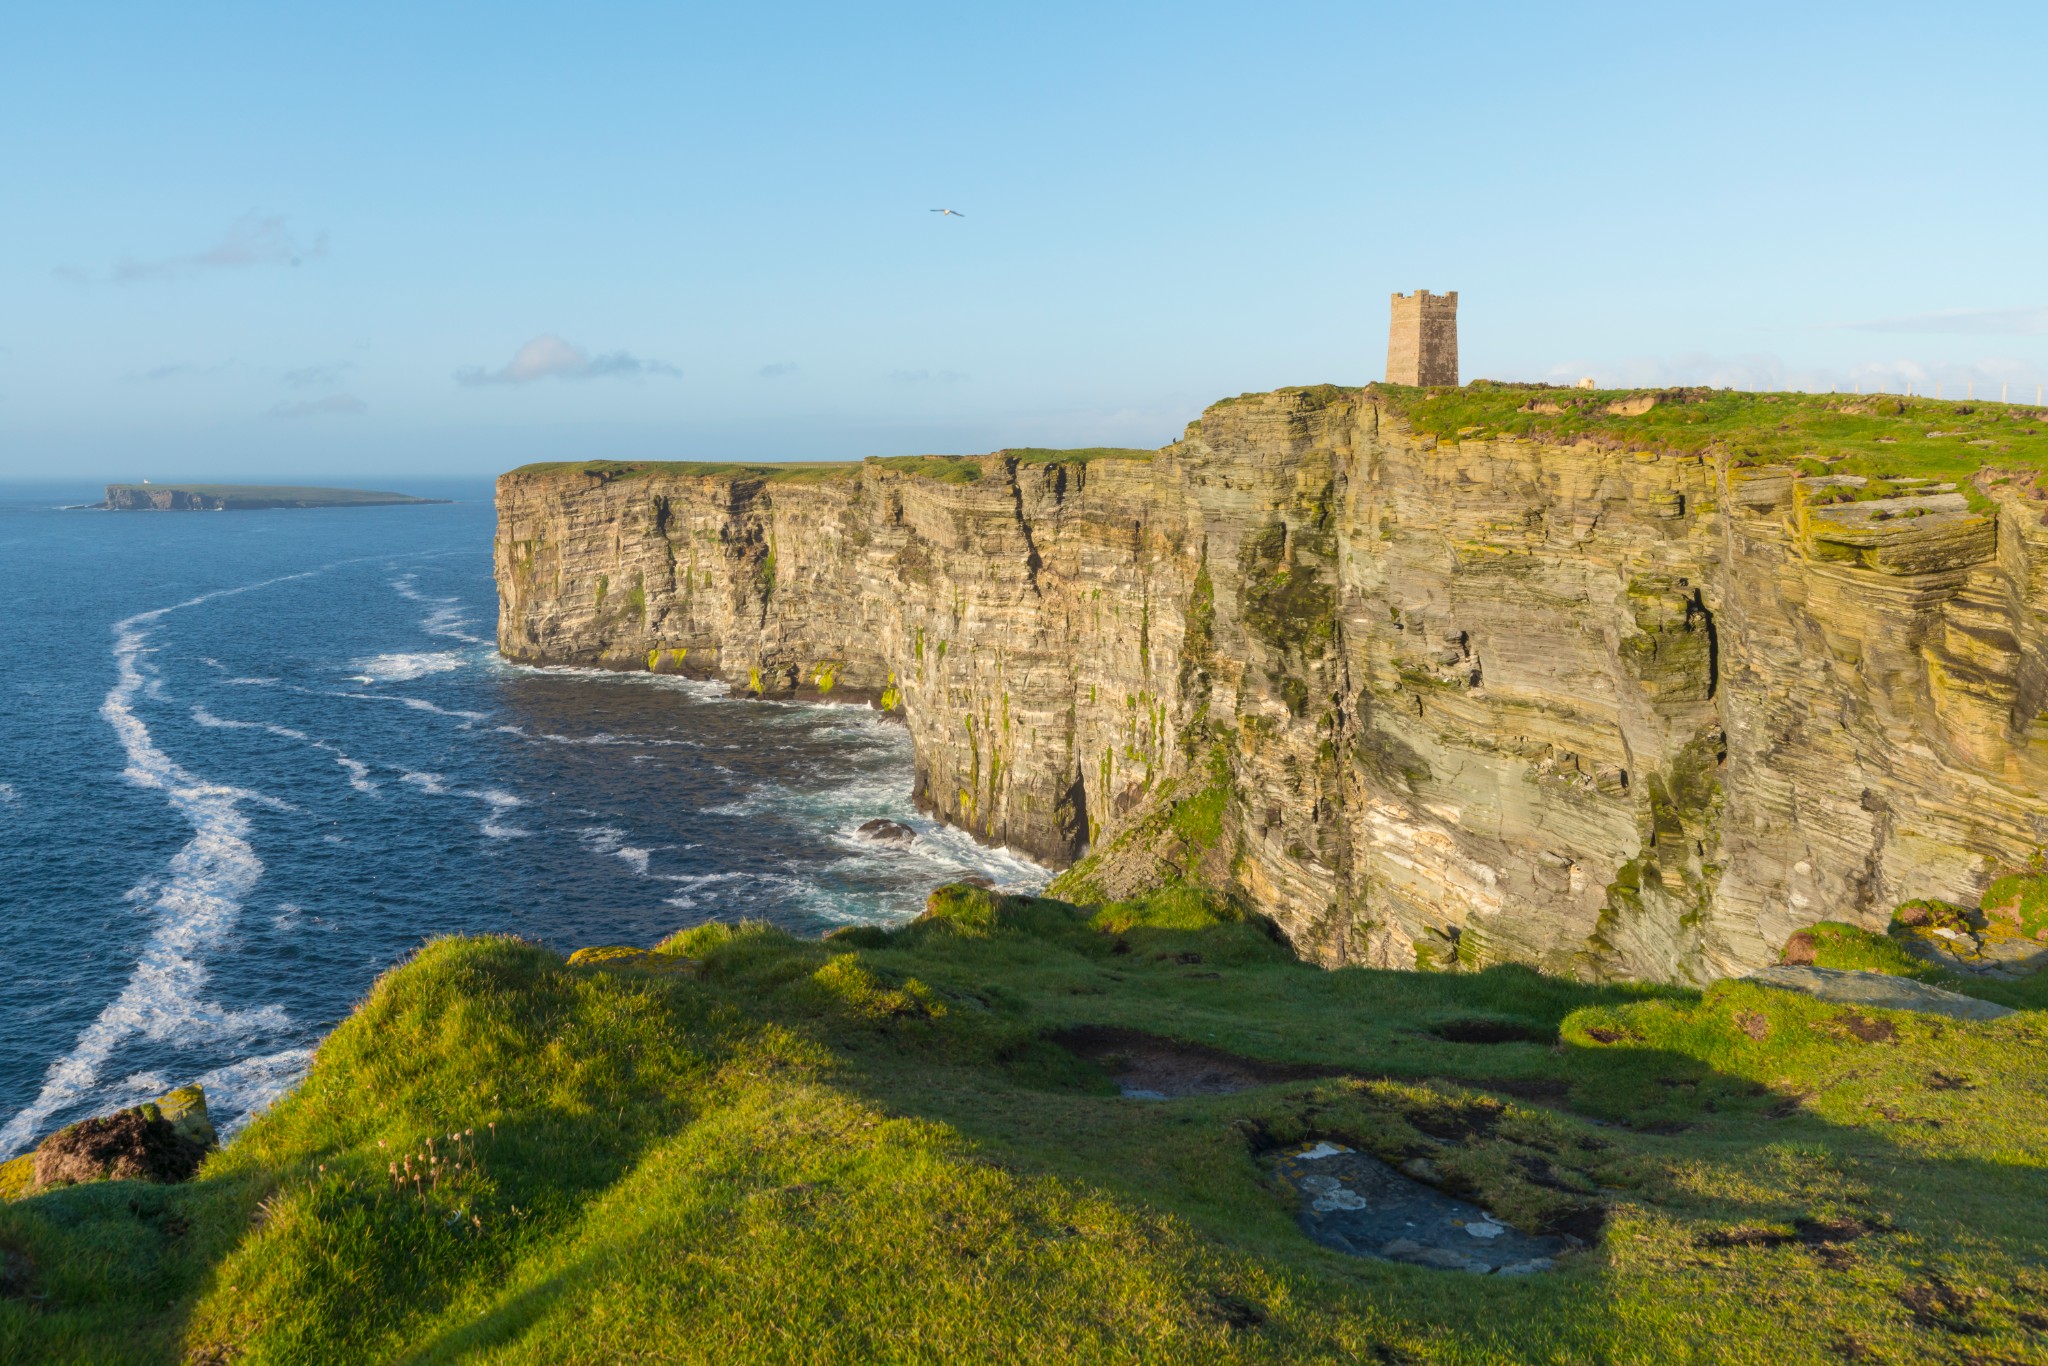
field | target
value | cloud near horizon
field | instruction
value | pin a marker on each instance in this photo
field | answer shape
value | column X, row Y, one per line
column 329, row 405
column 551, row 357
column 1979, row 322
column 316, row 376
column 251, row 240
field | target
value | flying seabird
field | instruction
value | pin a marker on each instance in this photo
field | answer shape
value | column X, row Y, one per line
column 951, row 213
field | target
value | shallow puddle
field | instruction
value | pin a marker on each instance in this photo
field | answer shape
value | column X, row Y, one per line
column 1355, row 1203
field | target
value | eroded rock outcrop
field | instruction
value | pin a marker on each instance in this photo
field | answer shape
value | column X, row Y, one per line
column 1423, row 702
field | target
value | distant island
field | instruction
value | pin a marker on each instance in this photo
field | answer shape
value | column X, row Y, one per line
column 244, row 497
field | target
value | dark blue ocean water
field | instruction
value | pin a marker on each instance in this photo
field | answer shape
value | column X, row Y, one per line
column 249, row 760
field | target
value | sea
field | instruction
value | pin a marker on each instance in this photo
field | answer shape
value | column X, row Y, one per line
column 251, row 760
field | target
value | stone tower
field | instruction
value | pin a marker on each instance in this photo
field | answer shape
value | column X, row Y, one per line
column 1422, row 343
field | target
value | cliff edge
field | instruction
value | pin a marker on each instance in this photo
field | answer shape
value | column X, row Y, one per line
column 1621, row 685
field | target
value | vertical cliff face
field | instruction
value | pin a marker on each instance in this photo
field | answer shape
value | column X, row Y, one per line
column 1424, row 703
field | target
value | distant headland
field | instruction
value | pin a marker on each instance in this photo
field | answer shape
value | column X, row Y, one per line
column 148, row 497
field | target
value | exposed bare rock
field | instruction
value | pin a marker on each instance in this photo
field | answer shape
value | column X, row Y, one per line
column 1879, row 992
column 164, row 1140
column 1422, row 702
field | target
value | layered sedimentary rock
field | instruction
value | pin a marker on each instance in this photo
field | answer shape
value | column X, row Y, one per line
column 1618, row 713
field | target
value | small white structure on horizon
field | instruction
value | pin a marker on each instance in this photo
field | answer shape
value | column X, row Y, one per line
column 1586, row 383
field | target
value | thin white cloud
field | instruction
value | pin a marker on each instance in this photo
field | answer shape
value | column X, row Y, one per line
column 550, row 357
column 778, row 369
column 926, row 376
column 1973, row 322
column 251, row 240
column 328, row 405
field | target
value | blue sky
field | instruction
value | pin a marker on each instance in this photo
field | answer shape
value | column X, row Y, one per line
column 372, row 241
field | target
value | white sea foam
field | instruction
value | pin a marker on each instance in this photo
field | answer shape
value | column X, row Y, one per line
column 601, row 738
column 195, row 901
column 245, row 1089
column 467, row 718
column 687, row 884
column 8, row 796
column 609, row 839
column 445, row 616
column 496, row 801
column 358, row 772
column 400, row 668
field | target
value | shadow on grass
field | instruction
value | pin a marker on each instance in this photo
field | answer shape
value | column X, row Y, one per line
column 1762, row 1177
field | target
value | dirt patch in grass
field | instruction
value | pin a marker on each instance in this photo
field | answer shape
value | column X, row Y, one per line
column 1827, row 1239
column 1605, row 1034
column 1850, row 1024
column 1233, row 1311
column 1493, row 1031
column 1149, row 1067
column 1457, row 1121
column 1934, row 1303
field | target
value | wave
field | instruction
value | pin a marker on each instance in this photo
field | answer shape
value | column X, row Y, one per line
column 357, row 771
column 400, row 668
column 609, row 839
column 445, row 616
column 601, row 738
column 467, row 718
column 195, row 901
column 497, row 800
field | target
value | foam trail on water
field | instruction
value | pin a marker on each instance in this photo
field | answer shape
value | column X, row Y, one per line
column 195, row 901
column 445, row 616
column 358, row 771
column 609, row 839
column 496, row 799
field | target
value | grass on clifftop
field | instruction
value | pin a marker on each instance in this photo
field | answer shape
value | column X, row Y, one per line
column 947, row 469
column 872, row 1149
column 1875, row 435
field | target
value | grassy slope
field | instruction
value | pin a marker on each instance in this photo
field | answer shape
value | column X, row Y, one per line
column 865, row 1149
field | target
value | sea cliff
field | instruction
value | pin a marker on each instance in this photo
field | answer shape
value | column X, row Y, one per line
column 1604, row 689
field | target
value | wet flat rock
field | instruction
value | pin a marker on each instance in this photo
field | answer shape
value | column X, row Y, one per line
column 1355, row 1203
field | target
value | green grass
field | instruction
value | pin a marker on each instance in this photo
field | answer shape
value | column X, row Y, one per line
column 867, row 1148
column 785, row 472
column 946, row 469
column 1080, row 455
column 1874, row 435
